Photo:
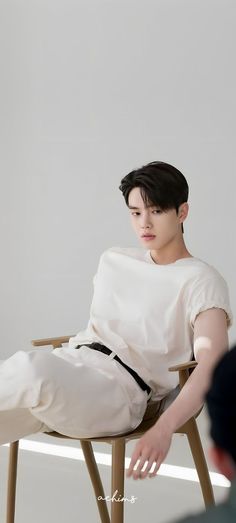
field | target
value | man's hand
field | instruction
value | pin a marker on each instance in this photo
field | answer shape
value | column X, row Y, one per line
column 151, row 448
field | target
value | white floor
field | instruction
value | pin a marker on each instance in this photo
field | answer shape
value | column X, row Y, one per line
column 57, row 489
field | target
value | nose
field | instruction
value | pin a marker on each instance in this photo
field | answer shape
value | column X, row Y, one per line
column 145, row 224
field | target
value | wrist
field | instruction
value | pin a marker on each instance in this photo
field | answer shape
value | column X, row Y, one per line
column 164, row 425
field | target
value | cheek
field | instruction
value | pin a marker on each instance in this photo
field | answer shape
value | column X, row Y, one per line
column 168, row 229
column 134, row 224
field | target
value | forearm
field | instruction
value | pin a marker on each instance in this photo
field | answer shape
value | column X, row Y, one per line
column 189, row 400
column 187, row 404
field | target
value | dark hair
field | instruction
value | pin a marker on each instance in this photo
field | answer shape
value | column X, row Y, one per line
column 160, row 184
column 221, row 401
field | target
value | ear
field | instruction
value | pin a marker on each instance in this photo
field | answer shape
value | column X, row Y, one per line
column 223, row 461
column 183, row 212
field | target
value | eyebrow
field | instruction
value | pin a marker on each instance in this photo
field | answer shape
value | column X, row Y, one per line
column 131, row 207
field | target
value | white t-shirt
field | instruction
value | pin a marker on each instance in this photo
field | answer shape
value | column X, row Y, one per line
column 145, row 312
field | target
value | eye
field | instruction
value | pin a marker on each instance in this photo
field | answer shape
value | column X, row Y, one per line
column 158, row 211
column 135, row 213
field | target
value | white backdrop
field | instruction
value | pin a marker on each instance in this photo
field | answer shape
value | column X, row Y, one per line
column 90, row 90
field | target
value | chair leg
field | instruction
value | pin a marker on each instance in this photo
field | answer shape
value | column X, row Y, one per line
column 11, row 487
column 95, row 479
column 200, row 461
column 117, row 480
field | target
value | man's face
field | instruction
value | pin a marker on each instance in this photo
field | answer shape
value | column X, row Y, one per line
column 165, row 226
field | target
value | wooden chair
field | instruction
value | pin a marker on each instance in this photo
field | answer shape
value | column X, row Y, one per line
column 118, row 452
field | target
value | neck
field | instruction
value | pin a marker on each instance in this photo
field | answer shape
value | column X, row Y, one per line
column 170, row 254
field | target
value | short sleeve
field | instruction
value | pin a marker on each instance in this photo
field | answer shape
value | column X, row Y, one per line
column 94, row 279
column 210, row 291
column 99, row 263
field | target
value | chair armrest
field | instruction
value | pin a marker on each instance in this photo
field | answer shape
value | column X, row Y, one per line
column 55, row 342
column 183, row 366
column 184, row 370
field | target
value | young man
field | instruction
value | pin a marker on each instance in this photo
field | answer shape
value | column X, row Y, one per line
column 221, row 401
column 153, row 307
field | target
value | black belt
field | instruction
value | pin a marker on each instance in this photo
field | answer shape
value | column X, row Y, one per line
column 102, row 348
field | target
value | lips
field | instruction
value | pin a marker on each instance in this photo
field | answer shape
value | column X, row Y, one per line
column 148, row 236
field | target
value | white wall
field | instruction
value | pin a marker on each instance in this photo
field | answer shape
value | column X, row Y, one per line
column 90, row 90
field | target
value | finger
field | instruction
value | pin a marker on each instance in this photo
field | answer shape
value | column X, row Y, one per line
column 133, row 461
column 138, row 471
column 136, row 466
column 142, row 461
column 150, row 462
column 154, row 471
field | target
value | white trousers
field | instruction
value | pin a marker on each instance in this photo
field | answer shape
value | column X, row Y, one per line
column 77, row 392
